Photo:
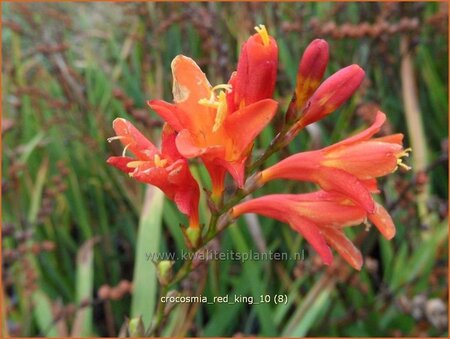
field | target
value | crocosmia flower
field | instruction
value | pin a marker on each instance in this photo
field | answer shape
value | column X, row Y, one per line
column 348, row 167
column 166, row 169
column 256, row 72
column 220, row 123
column 320, row 218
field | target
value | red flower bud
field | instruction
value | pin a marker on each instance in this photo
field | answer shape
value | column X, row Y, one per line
column 332, row 94
column 256, row 71
column 311, row 70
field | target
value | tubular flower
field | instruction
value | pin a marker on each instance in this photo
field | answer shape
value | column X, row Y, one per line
column 219, row 124
column 320, row 218
column 348, row 167
column 166, row 169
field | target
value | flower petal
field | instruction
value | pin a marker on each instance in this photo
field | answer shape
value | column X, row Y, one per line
column 189, row 82
column 337, row 239
column 134, row 140
column 383, row 221
column 313, row 235
column 170, row 113
column 364, row 135
column 244, row 125
column 186, row 145
column 365, row 159
column 336, row 180
column 121, row 163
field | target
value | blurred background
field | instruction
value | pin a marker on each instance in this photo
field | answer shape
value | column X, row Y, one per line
column 71, row 225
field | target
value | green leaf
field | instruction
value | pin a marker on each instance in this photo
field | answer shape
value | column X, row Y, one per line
column 148, row 239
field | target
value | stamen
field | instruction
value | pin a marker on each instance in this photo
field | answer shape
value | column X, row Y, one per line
column 262, row 31
column 117, row 137
column 218, row 102
column 125, row 149
column 158, row 162
column 226, row 87
column 404, row 153
column 134, row 164
column 221, row 111
column 209, row 103
column 402, row 165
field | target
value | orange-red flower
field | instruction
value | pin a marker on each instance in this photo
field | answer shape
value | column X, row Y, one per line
column 320, row 217
column 219, row 124
column 166, row 169
column 348, row 167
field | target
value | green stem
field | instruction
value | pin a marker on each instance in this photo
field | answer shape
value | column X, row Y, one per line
column 159, row 316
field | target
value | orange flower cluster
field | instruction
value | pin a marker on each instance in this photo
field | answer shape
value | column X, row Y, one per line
column 219, row 124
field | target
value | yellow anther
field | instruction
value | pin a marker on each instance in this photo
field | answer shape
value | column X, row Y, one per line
column 221, row 111
column 404, row 153
column 262, row 31
column 401, row 164
column 134, row 164
column 158, row 162
column 219, row 102
column 208, row 103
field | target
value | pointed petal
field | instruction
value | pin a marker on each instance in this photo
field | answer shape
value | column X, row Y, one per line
column 236, row 170
column 337, row 239
column 189, row 86
column 244, row 125
column 383, row 221
column 186, row 145
column 313, row 235
column 121, row 163
column 336, row 180
column 393, row 139
column 371, row 185
column 332, row 213
column 171, row 114
column 362, row 136
column 275, row 206
column 136, row 142
column 168, row 145
column 189, row 82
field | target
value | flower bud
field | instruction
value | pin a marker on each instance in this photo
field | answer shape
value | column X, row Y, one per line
column 192, row 236
column 331, row 94
column 310, row 70
column 256, row 71
column 164, row 271
column 136, row 327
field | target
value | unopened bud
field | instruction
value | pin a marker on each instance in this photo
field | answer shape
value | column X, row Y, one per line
column 164, row 271
column 311, row 70
column 332, row 94
column 193, row 236
column 136, row 327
